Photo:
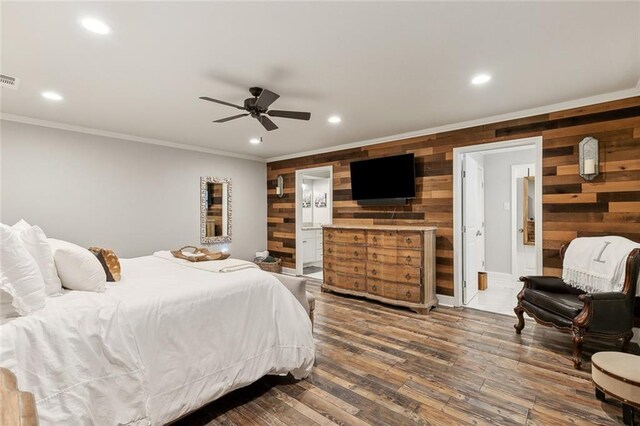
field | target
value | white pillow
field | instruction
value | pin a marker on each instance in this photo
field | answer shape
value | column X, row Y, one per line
column 21, row 283
column 35, row 242
column 78, row 268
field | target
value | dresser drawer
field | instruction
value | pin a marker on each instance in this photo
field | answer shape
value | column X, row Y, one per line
column 382, row 255
column 344, row 266
column 330, row 249
column 392, row 256
column 345, row 281
column 409, row 240
column 399, row 274
column 409, row 258
column 382, row 239
column 382, row 288
column 408, row 293
column 344, row 236
column 352, row 252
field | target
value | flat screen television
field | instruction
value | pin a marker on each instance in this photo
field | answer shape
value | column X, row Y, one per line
column 386, row 180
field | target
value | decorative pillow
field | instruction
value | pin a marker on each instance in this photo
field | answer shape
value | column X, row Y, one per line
column 35, row 242
column 78, row 268
column 21, row 283
column 109, row 262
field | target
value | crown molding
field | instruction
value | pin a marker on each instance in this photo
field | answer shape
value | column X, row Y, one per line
column 124, row 136
column 591, row 100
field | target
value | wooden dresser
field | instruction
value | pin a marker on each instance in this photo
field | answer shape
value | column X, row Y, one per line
column 392, row 264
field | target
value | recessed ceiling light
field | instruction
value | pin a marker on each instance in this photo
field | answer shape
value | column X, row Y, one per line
column 52, row 96
column 255, row 141
column 334, row 119
column 480, row 79
column 95, row 26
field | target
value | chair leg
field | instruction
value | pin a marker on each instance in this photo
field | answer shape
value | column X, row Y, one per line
column 578, row 338
column 600, row 396
column 520, row 314
column 625, row 341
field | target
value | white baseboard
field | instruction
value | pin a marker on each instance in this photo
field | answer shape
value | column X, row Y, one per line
column 446, row 300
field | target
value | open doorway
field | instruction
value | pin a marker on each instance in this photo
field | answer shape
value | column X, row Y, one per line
column 314, row 208
column 497, row 222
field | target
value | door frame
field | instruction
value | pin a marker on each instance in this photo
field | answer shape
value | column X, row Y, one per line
column 458, row 154
column 298, row 204
column 514, row 219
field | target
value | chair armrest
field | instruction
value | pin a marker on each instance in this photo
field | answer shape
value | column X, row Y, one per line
column 545, row 283
column 297, row 286
column 609, row 313
column 605, row 296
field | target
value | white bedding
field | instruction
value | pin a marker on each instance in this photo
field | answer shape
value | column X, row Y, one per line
column 162, row 342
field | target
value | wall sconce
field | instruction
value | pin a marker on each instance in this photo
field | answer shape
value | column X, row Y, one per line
column 280, row 187
column 588, row 158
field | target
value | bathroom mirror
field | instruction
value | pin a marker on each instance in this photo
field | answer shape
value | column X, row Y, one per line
column 215, row 210
column 529, row 211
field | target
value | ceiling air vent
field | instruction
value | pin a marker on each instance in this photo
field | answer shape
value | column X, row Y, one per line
column 8, row 81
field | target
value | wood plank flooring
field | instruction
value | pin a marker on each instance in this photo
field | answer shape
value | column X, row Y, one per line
column 381, row 365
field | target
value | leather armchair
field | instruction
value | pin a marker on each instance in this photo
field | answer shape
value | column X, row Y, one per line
column 551, row 302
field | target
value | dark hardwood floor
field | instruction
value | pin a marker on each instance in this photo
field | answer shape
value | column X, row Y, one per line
column 381, row 365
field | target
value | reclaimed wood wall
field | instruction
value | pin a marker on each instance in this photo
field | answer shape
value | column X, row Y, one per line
column 572, row 207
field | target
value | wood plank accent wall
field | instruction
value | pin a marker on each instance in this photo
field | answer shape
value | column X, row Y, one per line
column 572, row 207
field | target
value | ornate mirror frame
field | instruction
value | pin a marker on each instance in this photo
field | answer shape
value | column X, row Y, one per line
column 204, row 239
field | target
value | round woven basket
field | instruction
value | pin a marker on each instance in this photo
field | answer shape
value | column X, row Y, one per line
column 271, row 266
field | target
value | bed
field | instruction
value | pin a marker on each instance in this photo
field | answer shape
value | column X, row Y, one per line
column 159, row 344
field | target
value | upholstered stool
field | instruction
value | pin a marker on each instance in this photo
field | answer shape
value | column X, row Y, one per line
column 618, row 374
column 312, row 306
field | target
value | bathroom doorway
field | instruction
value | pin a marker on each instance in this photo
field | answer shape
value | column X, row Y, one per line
column 314, row 208
column 497, row 222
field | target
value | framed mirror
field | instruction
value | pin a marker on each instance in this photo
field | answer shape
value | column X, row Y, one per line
column 529, row 211
column 215, row 210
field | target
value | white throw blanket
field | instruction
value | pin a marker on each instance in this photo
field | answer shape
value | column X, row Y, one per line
column 227, row 265
column 597, row 264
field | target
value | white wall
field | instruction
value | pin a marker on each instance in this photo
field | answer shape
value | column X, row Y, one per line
column 497, row 184
column 132, row 197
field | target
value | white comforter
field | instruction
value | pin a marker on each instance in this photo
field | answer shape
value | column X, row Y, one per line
column 163, row 341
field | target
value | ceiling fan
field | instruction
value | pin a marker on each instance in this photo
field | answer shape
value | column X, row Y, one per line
column 258, row 106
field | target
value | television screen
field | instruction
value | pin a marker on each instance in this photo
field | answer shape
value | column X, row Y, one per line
column 387, row 177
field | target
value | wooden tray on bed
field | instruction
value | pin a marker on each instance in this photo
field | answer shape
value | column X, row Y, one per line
column 199, row 254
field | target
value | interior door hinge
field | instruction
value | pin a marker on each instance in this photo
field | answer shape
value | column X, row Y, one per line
column 464, row 229
column 464, row 283
column 464, row 174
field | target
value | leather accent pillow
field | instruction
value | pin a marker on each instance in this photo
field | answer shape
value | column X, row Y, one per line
column 109, row 262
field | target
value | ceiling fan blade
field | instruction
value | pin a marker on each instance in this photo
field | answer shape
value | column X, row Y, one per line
column 233, row 117
column 266, row 98
column 296, row 115
column 206, row 98
column 266, row 122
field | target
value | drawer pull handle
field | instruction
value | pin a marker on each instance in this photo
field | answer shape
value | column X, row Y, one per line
column 355, row 238
column 374, row 288
column 408, row 259
column 408, row 293
column 374, row 272
column 374, row 239
column 408, row 276
column 355, row 269
column 355, row 253
column 408, row 240
column 375, row 256
column 330, row 279
column 330, row 236
column 329, row 250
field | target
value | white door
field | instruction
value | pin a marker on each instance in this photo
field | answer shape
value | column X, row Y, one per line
column 525, row 255
column 472, row 226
